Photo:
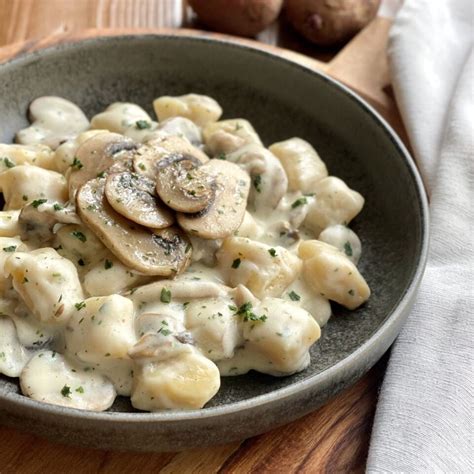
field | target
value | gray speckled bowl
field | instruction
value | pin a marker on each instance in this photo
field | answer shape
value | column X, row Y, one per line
column 282, row 100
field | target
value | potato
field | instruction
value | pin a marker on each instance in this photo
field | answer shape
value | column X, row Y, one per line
column 237, row 17
column 328, row 22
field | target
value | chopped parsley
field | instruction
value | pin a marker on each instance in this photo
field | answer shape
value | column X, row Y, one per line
column 257, row 183
column 76, row 163
column 348, row 249
column 294, row 296
column 232, row 307
column 37, row 202
column 8, row 163
column 25, row 197
column 142, row 124
column 236, row 263
column 80, row 305
column 101, row 174
column 272, row 252
column 58, row 207
column 165, row 296
column 79, row 389
column 299, row 202
column 108, row 264
column 79, row 235
column 11, row 248
column 245, row 311
column 142, row 166
column 66, row 391
column 222, row 156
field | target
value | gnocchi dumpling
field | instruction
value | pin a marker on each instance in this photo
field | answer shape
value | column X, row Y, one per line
column 214, row 327
column 50, row 377
column 343, row 238
column 187, row 381
column 264, row 270
column 55, row 120
column 23, row 184
column 9, row 223
column 227, row 136
column 47, row 283
column 201, row 109
column 301, row 162
column 35, row 155
column 101, row 329
column 335, row 203
column 332, row 275
column 124, row 117
column 13, row 356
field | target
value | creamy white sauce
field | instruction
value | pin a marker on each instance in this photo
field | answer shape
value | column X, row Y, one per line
column 78, row 326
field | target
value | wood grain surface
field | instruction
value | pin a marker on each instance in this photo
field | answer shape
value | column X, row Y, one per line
column 334, row 438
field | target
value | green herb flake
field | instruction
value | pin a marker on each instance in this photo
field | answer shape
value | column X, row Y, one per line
column 257, row 183
column 272, row 252
column 11, row 248
column 299, row 202
column 79, row 235
column 232, row 307
column 37, row 202
column 80, row 305
column 245, row 311
column 348, row 249
column 142, row 124
column 25, row 197
column 8, row 163
column 236, row 263
column 294, row 296
column 222, row 156
column 108, row 264
column 66, row 391
column 165, row 296
column 76, row 163
column 142, row 166
column 58, row 207
column 101, row 174
column 80, row 389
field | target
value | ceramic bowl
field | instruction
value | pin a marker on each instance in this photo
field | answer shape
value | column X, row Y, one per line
column 282, row 100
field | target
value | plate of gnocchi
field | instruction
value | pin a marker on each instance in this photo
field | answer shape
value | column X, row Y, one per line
column 190, row 250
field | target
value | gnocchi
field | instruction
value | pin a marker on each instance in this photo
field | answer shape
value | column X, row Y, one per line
column 147, row 257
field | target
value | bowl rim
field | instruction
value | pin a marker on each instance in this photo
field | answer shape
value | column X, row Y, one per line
column 322, row 378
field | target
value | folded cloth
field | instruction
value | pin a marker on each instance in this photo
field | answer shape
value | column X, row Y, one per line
column 423, row 421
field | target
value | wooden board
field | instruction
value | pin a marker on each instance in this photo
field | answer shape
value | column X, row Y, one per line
column 332, row 439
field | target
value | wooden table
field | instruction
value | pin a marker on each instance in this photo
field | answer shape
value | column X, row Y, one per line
column 335, row 438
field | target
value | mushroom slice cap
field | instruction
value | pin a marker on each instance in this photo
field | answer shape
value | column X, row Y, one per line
column 98, row 154
column 226, row 212
column 151, row 153
column 132, row 196
column 182, row 185
column 163, row 252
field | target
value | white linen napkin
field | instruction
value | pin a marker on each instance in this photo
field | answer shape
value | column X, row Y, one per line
column 423, row 421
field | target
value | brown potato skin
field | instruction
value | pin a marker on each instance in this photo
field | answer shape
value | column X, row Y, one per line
column 237, row 17
column 330, row 22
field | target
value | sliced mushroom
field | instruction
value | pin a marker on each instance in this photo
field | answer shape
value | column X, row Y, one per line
column 182, row 185
column 37, row 221
column 226, row 212
column 102, row 152
column 49, row 377
column 132, row 196
column 149, row 155
column 54, row 120
column 164, row 252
